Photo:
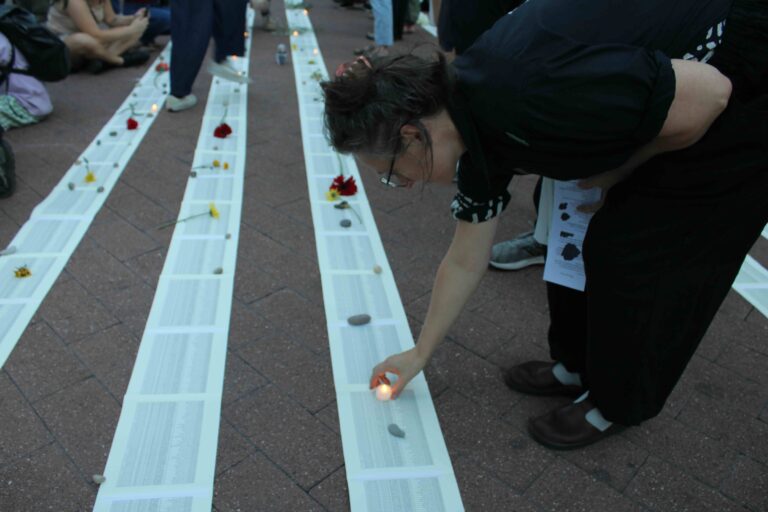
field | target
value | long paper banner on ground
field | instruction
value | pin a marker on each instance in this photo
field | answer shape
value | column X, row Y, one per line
column 752, row 284
column 163, row 455
column 384, row 472
column 38, row 253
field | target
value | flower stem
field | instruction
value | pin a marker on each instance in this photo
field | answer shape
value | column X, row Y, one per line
column 171, row 223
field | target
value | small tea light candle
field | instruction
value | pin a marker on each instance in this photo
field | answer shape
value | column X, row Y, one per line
column 315, row 51
column 295, row 33
column 383, row 392
column 154, row 107
column 234, row 57
column 245, row 35
column 306, row 12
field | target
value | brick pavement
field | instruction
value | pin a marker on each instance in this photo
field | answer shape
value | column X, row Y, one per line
column 279, row 449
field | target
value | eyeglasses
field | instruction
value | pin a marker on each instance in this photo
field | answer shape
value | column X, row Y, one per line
column 392, row 179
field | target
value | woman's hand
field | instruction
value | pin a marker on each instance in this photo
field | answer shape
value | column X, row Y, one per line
column 141, row 13
column 605, row 181
column 406, row 365
column 139, row 25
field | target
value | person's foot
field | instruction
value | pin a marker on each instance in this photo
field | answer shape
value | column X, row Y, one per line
column 537, row 378
column 267, row 25
column 94, row 66
column 134, row 58
column 174, row 104
column 225, row 70
column 518, row 253
column 567, row 427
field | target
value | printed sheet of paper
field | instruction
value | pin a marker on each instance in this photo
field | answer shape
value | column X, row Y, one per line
column 565, row 265
column 384, row 472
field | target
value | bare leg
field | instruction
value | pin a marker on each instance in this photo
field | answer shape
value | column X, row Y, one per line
column 118, row 47
column 83, row 45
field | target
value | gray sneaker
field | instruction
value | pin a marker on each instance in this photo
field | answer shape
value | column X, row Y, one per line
column 518, row 253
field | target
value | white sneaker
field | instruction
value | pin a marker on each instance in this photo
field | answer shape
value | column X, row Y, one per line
column 226, row 71
column 174, row 104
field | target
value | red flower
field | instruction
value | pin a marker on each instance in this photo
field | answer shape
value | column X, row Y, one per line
column 132, row 123
column 346, row 187
column 162, row 66
column 222, row 131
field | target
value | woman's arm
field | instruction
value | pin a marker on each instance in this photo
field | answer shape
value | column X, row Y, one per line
column 81, row 14
column 701, row 95
column 457, row 278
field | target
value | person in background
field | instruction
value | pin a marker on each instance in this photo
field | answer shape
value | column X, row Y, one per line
column 96, row 36
column 159, row 17
column 23, row 98
column 262, row 7
column 193, row 22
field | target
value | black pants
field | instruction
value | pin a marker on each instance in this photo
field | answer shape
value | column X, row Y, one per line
column 660, row 257
column 193, row 22
column 399, row 10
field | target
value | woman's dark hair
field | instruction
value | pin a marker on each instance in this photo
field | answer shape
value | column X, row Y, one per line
column 366, row 105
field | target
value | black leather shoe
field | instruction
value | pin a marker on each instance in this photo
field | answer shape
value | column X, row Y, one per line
column 567, row 428
column 536, row 378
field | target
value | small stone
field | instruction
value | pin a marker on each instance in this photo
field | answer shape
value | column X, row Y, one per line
column 359, row 319
column 228, row 236
column 115, row 165
column 71, row 186
column 134, row 95
column 218, row 270
column 98, row 143
column 215, row 148
column 113, row 134
column 395, row 430
column 100, row 189
column 345, row 223
column 149, row 114
column 237, row 90
column 193, row 174
column 376, row 269
column 78, row 161
column 341, row 206
column 99, row 479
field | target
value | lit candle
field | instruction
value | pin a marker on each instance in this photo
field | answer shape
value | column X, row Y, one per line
column 245, row 34
column 154, row 107
column 234, row 57
column 295, row 33
column 383, row 392
column 306, row 12
column 315, row 51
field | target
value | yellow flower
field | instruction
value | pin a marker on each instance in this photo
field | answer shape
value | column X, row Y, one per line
column 22, row 272
column 226, row 166
column 332, row 194
column 216, row 163
column 90, row 177
column 213, row 211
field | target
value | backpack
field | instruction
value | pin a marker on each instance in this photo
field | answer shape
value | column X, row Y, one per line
column 46, row 53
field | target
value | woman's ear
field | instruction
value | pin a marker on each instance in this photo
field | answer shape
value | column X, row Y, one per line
column 410, row 133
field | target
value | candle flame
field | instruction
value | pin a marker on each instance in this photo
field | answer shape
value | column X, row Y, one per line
column 383, row 392
column 295, row 33
column 154, row 107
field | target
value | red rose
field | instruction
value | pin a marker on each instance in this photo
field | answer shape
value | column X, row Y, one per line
column 222, row 131
column 132, row 123
column 346, row 187
column 162, row 66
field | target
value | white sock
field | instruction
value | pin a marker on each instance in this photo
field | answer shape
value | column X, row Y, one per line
column 594, row 417
column 565, row 377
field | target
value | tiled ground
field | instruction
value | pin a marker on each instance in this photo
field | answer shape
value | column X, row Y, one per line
column 279, row 449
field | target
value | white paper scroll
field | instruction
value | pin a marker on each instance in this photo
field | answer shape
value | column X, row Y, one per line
column 46, row 241
column 752, row 284
column 163, row 454
column 384, row 472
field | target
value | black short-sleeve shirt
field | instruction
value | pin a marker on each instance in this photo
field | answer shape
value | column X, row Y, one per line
column 570, row 88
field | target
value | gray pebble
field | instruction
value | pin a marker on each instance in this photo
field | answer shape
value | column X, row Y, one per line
column 345, row 223
column 229, row 236
column 99, row 479
column 71, row 186
column 193, row 174
column 359, row 319
column 98, row 143
column 341, row 206
column 113, row 134
column 395, row 430
column 218, row 270
column 100, row 189
column 376, row 269
column 115, row 165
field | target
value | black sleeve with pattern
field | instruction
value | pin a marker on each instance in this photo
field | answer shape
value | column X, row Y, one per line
column 476, row 201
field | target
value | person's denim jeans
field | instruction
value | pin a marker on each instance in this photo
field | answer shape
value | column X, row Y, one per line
column 159, row 19
column 383, row 34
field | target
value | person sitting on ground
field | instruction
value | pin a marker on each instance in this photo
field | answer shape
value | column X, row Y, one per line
column 96, row 36
column 23, row 98
column 159, row 18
